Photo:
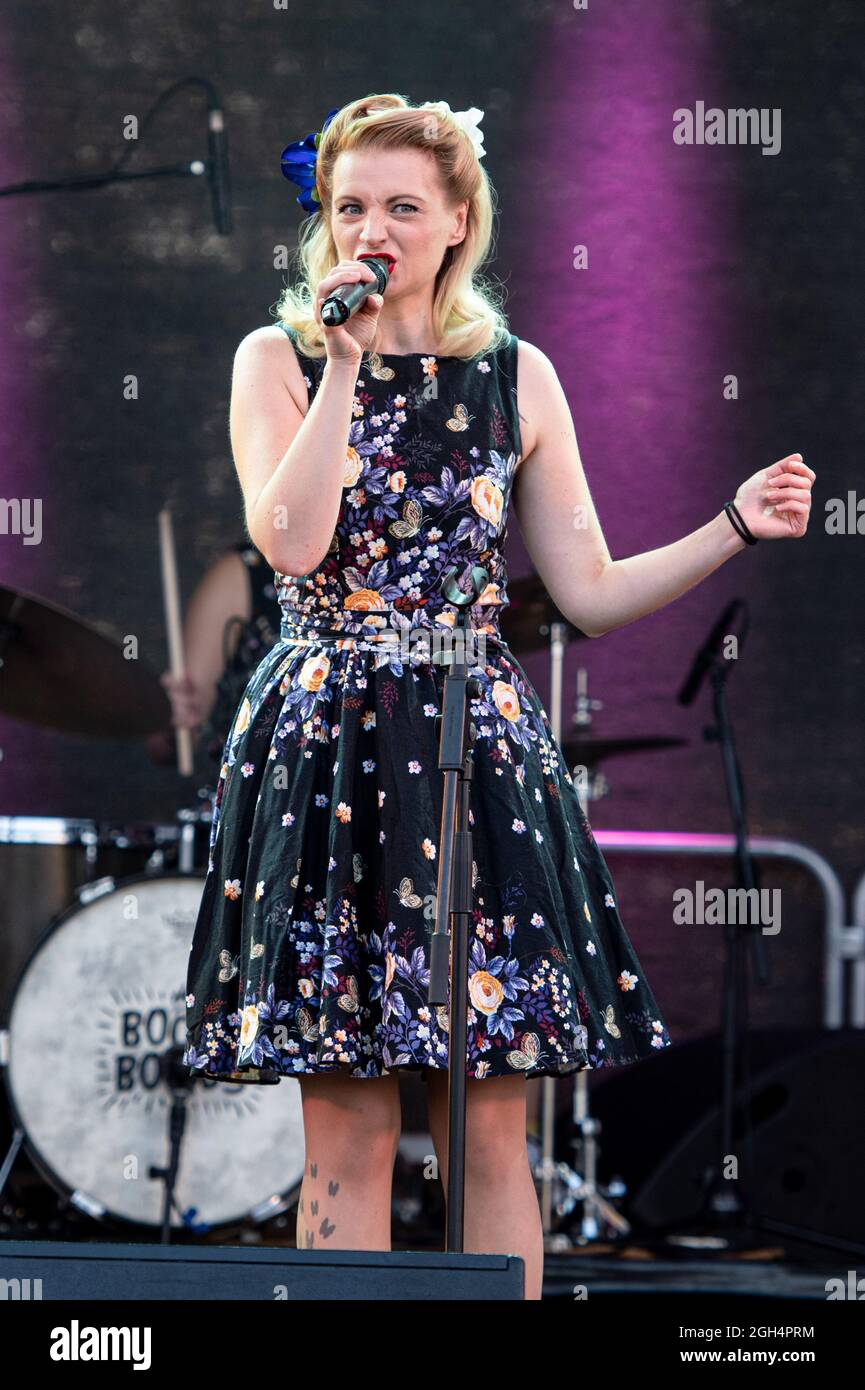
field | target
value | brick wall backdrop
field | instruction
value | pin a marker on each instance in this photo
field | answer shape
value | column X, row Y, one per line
column 753, row 268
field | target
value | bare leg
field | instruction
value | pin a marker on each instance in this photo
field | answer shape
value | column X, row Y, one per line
column 533, row 1109
column 502, row 1214
column 351, row 1129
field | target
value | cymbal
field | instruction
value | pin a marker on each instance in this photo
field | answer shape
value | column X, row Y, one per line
column 525, row 621
column 588, row 751
column 63, row 673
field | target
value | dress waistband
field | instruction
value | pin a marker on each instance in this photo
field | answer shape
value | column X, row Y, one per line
column 299, row 627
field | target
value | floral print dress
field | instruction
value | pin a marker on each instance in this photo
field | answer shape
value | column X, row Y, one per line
column 311, row 949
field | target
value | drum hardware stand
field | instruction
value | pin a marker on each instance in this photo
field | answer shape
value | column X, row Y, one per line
column 17, row 1132
column 179, row 1081
column 186, row 842
column 575, row 1189
column 582, row 1187
column 454, row 901
column 189, row 818
column 596, row 785
column 91, row 856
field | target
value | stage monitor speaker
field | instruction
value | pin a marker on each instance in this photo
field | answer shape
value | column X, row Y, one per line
column 64, row 1270
column 807, row 1153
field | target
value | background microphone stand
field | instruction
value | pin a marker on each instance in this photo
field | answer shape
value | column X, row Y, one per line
column 215, row 167
column 728, row 1203
column 454, row 886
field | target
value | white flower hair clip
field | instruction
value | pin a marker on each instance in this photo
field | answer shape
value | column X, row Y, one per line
column 468, row 121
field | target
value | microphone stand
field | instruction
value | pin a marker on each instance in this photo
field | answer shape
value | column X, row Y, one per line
column 215, row 167
column 722, row 1198
column 179, row 1082
column 729, row 1206
column 724, row 1201
column 454, row 887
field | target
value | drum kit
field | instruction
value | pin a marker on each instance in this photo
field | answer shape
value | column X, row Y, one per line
column 97, row 920
column 94, row 1011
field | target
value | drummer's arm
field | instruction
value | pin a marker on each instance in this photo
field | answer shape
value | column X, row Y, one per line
column 223, row 592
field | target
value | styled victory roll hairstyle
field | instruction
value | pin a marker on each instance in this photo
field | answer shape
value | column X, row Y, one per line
column 467, row 317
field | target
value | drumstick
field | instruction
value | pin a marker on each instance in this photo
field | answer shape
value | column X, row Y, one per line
column 171, row 600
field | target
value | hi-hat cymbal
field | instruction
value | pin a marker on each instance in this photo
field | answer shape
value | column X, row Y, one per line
column 62, row 673
column 525, row 622
column 585, row 752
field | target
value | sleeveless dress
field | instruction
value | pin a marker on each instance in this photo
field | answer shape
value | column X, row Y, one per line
column 256, row 638
column 311, row 948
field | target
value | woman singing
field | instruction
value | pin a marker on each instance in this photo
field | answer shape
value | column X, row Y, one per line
column 375, row 457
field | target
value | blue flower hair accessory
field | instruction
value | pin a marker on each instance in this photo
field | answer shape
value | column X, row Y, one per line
column 298, row 164
column 299, row 158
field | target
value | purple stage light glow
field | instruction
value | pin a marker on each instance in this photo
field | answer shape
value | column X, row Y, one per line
column 644, row 336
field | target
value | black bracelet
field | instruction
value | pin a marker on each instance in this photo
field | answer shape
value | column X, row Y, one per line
column 738, row 524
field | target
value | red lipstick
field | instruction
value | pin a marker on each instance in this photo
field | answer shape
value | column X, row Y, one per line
column 381, row 256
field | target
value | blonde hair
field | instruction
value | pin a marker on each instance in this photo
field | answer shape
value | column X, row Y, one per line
column 467, row 317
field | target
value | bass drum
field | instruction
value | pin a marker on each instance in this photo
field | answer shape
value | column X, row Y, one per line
column 97, row 1007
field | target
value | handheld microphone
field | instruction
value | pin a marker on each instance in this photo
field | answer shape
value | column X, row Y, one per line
column 217, row 170
column 347, row 299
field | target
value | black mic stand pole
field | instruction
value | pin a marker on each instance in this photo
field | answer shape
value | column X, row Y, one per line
column 186, row 168
column 729, row 1206
column 725, row 1200
column 454, row 886
column 179, row 1081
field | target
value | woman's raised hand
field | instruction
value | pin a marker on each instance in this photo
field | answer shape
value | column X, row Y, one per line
column 348, row 342
column 775, row 502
